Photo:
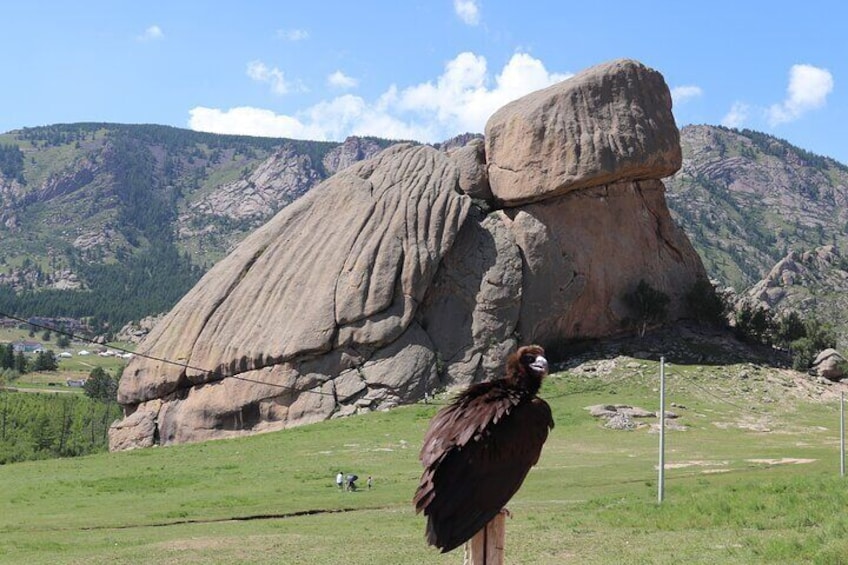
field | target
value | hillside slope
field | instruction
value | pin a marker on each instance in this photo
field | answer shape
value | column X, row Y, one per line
column 136, row 213
column 768, row 219
column 747, row 199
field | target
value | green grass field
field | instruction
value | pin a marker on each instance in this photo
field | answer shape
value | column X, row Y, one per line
column 753, row 479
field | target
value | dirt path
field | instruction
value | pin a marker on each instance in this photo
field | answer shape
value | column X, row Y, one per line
column 57, row 390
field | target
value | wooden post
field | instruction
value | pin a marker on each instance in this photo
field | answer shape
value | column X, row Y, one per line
column 487, row 545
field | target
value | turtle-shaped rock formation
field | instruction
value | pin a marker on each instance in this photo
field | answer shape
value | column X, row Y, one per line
column 385, row 281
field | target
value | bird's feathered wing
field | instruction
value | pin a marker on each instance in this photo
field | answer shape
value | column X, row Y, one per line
column 476, row 454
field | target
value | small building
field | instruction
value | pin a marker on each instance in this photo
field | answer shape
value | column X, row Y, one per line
column 27, row 347
column 83, row 352
column 65, row 354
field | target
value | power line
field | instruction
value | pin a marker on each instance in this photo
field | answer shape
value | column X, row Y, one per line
column 215, row 376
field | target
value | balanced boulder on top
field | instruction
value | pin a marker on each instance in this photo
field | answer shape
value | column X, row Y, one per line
column 609, row 123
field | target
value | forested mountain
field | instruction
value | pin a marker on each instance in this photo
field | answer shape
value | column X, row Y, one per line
column 768, row 219
column 747, row 199
column 118, row 221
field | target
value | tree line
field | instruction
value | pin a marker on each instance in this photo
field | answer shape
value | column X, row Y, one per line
column 803, row 338
column 149, row 282
column 15, row 363
column 43, row 426
column 12, row 162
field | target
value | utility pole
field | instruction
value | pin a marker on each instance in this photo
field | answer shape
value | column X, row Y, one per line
column 661, row 478
column 842, row 434
column 5, row 406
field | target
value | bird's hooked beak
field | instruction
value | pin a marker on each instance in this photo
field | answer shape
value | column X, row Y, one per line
column 540, row 365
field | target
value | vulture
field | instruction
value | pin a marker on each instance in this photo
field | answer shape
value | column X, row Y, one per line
column 478, row 450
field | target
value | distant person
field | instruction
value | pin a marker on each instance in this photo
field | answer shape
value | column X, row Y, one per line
column 340, row 480
column 351, row 482
column 369, row 482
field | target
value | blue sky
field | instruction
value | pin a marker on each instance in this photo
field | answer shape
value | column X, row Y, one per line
column 424, row 70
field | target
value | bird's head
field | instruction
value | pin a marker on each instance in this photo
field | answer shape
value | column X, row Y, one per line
column 528, row 366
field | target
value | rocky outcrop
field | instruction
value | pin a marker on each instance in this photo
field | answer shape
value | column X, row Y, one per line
column 384, row 282
column 743, row 196
column 472, row 308
column 316, row 294
column 135, row 332
column 135, row 431
column 829, row 364
column 624, row 417
column 583, row 252
column 353, row 150
column 811, row 283
column 279, row 180
column 473, row 175
column 610, row 123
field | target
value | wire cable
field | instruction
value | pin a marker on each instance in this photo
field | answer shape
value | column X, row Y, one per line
column 215, row 376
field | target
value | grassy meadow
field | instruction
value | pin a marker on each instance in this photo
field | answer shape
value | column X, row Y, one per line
column 753, row 478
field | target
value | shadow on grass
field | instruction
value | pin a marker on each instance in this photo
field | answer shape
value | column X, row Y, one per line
column 682, row 343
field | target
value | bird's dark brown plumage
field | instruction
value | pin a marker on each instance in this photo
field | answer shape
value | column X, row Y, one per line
column 478, row 450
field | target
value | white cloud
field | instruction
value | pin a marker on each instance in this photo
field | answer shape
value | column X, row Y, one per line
column 461, row 97
column 340, row 80
column 152, row 33
column 293, row 34
column 249, row 121
column 808, row 89
column 737, row 116
column 458, row 101
column 681, row 94
column 468, row 11
column 260, row 72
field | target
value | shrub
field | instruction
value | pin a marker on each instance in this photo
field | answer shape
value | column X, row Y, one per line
column 706, row 305
column 819, row 333
column 803, row 354
column 647, row 304
column 101, row 386
column 842, row 365
column 7, row 376
column 755, row 324
column 790, row 327
column 810, row 338
column 45, row 361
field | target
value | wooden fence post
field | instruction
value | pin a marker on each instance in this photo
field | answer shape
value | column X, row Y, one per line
column 487, row 545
